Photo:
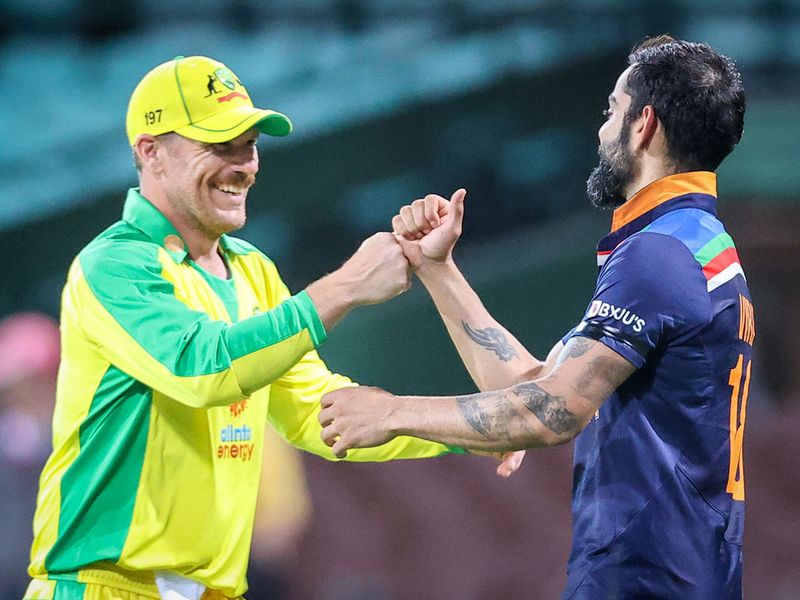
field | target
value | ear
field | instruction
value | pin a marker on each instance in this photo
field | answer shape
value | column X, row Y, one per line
column 644, row 128
column 147, row 148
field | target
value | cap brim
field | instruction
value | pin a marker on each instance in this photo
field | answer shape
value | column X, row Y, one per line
column 225, row 126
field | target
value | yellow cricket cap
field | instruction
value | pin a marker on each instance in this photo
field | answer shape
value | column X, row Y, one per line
column 198, row 98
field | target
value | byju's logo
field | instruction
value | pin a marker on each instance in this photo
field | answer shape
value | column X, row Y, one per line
column 599, row 308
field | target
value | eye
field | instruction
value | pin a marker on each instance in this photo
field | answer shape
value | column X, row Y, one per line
column 607, row 113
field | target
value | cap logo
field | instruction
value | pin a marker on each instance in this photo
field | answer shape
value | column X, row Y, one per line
column 211, row 86
column 226, row 78
column 231, row 96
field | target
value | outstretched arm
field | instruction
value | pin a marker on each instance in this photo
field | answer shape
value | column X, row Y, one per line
column 427, row 230
column 545, row 412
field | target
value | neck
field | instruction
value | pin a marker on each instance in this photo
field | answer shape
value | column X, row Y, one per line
column 650, row 171
column 201, row 245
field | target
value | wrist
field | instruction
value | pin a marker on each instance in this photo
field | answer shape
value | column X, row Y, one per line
column 333, row 297
column 396, row 421
column 343, row 288
column 432, row 270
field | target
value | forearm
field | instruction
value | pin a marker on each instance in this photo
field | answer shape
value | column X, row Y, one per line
column 522, row 416
column 333, row 296
column 494, row 358
column 377, row 272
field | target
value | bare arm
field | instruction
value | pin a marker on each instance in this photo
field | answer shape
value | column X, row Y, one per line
column 548, row 411
column 492, row 355
column 427, row 229
column 377, row 272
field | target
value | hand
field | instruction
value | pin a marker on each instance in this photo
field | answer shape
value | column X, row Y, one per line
column 355, row 417
column 510, row 461
column 377, row 271
column 428, row 228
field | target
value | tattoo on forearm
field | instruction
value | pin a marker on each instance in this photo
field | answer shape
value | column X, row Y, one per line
column 493, row 415
column 474, row 414
column 492, row 339
column 599, row 378
column 576, row 347
column 549, row 409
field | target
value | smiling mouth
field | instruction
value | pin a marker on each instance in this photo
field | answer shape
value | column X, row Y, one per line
column 231, row 190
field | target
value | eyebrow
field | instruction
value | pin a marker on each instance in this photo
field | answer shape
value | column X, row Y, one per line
column 611, row 99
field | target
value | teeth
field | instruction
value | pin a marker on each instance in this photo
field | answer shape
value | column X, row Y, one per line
column 230, row 190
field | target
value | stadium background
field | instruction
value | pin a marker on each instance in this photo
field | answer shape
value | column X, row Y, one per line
column 392, row 99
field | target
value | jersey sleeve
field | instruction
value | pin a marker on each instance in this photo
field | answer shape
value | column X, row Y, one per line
column 294, row 407
column 650, row 292
column 295, row 402
column 128, row 309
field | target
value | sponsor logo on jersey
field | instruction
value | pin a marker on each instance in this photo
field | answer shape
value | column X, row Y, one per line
column 599, row 308
column 236, row 442
column 237, row 408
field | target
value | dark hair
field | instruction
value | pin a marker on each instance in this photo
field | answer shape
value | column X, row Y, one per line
column 697, row 95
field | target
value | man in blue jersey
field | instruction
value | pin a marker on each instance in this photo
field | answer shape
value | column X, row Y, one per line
column 652, row 383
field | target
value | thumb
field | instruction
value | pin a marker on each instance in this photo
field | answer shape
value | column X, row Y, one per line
column 456, row 216
column 511, row 461
column 410, row 248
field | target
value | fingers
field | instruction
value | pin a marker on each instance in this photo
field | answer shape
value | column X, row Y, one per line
column 399, row 228
column 332, row 438
column 456, row 212
column 410, row 250
column 329, row 435
column 432, row 204
column 409, row 225
column 420, row 217
column 511, row 462
column 326, row 414
column 339, row 449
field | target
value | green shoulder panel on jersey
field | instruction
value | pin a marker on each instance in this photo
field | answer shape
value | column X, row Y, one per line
column 124, row 274
column 239, row 246
column 98, row 490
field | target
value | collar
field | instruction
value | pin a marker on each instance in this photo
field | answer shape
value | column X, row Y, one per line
column 141, row 213
column 696, row 189
column 662, row 190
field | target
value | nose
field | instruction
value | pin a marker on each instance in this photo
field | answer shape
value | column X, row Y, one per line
column 248, row 160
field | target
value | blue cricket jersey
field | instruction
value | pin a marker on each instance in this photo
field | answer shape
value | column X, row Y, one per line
column 658, row 488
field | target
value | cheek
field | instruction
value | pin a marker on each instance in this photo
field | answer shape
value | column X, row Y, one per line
column 607, row 131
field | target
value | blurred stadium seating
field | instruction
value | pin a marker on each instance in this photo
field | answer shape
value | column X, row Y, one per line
column 392, row 99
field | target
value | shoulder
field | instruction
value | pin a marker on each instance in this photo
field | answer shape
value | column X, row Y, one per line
column 244, row 248
column 119, row 249
column 650, row 254
column 658, row 267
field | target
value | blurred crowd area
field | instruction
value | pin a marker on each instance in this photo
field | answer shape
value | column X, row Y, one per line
column 391, row 100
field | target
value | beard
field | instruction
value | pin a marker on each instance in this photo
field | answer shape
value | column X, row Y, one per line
column 615, row 171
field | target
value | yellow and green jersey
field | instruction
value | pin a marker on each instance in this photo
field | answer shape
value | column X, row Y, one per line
column 168, row 378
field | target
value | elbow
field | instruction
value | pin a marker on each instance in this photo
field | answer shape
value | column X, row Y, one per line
column 219, row 391
column 531, row 372
column 548, row 438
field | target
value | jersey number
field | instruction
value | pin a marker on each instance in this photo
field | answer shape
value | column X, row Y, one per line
column 735, row 485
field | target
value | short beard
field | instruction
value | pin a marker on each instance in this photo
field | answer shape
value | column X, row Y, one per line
column 615, row 171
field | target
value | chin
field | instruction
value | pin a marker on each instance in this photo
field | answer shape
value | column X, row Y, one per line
column 228, row 223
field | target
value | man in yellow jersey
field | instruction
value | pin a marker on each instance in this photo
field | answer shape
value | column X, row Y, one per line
column 179, row 343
